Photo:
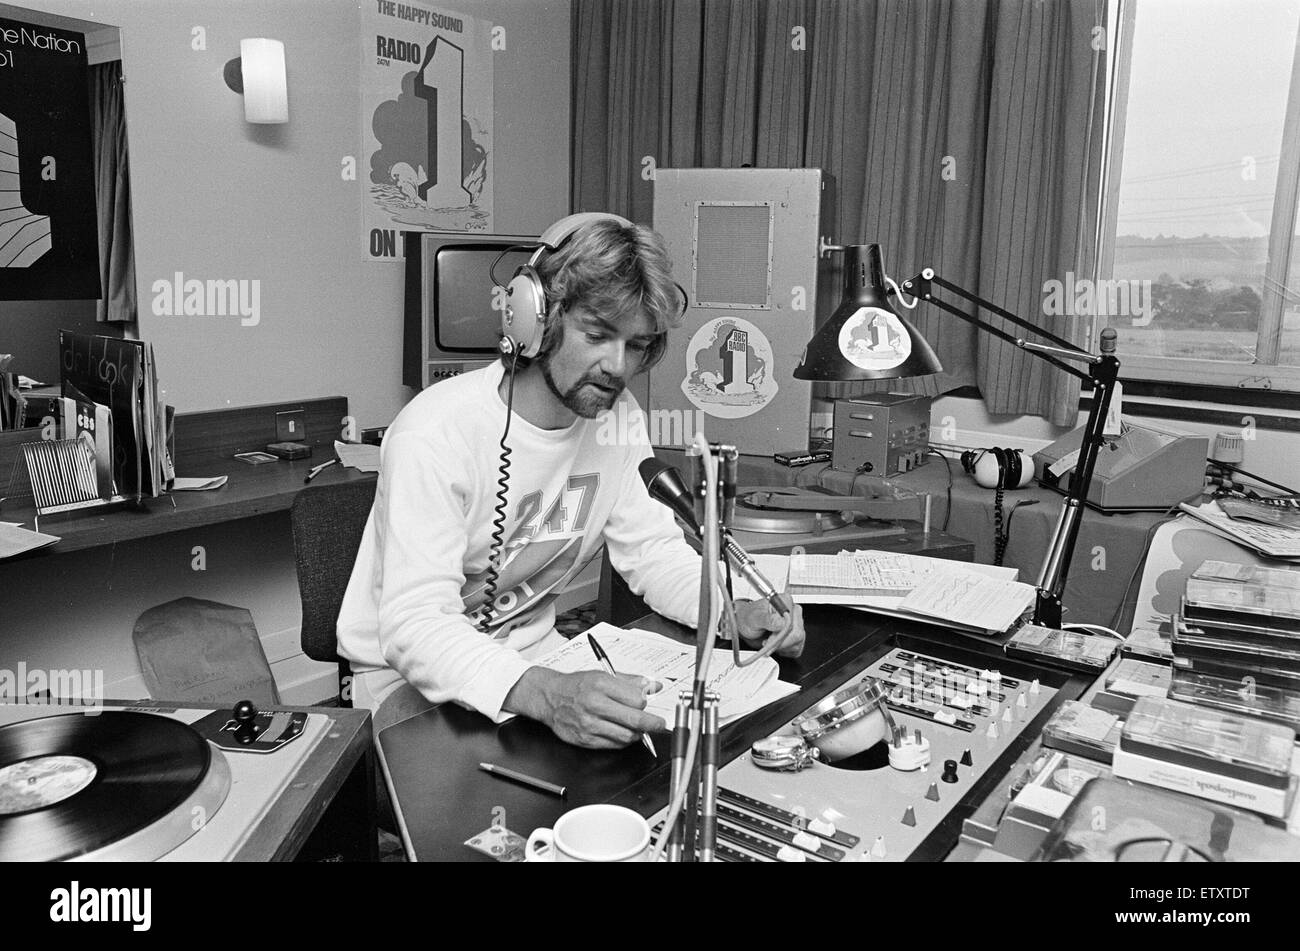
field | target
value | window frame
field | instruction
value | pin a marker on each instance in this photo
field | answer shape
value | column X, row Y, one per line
column 1263, row 373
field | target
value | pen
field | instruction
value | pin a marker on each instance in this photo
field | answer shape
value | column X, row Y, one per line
column 525, row 780
column 604, row 659
column 317, row 470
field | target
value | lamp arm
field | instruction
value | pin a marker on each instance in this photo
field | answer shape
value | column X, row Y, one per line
column 988, row 328
column 1102, row 373
column 1056, row 565
column 919, row 286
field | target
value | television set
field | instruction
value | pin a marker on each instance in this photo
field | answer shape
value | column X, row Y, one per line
column 452, row 307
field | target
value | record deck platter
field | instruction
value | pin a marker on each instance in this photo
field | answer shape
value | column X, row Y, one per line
column 138, row 784
column 814, row 509
column 755, row 512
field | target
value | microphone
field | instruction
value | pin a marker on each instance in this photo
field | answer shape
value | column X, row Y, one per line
column 664, row 483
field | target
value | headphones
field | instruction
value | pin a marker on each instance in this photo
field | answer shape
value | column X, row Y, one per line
column 999, row 468
column 523, row 322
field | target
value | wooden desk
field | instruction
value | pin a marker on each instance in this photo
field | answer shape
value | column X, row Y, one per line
column 205, row 446
column 444, row 799
column 329, row 808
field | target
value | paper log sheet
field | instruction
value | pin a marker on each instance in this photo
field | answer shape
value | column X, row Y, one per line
column 884, row 571
column 969, row 598
column 641, row 653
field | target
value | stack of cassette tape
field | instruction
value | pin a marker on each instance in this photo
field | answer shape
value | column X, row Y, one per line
column 1240, row 761
column 1236, row 641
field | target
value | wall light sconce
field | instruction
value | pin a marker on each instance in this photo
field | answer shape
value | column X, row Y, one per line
column 258, row 74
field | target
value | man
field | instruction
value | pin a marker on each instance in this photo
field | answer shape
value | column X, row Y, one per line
column 417, row 609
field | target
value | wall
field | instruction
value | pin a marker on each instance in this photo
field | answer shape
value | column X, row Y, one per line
column 217, row 198
column 31, row 328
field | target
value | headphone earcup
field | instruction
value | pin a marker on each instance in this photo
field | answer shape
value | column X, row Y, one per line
column 524, row 317
column 987, row 469
column 1008, row 467
column 523, row 322
column 1025, row 472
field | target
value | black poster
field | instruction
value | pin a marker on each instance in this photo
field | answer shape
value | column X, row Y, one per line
column 49, row 239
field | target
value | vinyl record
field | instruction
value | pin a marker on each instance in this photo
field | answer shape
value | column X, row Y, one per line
column 74, row 783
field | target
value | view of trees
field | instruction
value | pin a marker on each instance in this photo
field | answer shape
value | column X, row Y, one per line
column 1197, row 304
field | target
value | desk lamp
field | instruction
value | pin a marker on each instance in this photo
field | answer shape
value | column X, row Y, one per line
column 865, row 338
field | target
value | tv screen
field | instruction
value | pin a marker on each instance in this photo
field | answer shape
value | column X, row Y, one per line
column 462, row 290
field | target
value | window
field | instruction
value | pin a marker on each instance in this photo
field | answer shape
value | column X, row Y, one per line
column 1201, row 202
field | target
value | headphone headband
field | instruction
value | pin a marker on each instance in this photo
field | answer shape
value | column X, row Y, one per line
column 524, row 319
column 556, row 234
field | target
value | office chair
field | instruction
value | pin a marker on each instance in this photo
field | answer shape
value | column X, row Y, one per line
column 328, row 521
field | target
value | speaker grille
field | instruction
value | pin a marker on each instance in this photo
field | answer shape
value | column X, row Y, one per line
column 733, row 255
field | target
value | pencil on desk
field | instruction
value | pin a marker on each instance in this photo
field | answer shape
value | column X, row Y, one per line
column 523, row 779
column 317, row 470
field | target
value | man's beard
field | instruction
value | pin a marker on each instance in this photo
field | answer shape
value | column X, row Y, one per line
column 586, row 401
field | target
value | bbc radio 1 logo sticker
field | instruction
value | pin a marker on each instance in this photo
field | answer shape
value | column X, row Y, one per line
column 874, row 339
column 729, row 369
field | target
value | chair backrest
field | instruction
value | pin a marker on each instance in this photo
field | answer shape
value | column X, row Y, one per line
column 328, row 521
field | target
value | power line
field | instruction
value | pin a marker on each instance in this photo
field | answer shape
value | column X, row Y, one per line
column 1198, row 170
column 1251, row 196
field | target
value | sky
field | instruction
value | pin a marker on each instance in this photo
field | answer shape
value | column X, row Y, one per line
column 1205, row 112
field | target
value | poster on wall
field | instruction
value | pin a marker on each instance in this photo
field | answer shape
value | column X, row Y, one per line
column 49, row 239
column 426, row 114
column 729, row 369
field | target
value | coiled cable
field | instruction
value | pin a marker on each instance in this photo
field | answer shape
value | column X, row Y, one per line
column 999, row 536
column 499, row 511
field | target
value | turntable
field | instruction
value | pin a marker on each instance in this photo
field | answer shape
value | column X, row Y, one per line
column 814, row 509
column 144, row 783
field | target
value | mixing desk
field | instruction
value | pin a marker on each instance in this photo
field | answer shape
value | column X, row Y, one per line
column 952, row 720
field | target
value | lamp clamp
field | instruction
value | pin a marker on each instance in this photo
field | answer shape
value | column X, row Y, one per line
column 919, row 286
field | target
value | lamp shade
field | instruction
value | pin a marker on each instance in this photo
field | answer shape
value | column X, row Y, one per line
column 266, row 89
column 865, row 338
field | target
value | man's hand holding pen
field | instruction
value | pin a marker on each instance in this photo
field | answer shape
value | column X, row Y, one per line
column 589, row 708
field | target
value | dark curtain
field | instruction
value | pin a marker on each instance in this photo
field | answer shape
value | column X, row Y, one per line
column 112, row 194
column 962, row 134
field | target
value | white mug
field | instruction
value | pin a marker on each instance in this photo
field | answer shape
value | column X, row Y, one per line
column 597, row 833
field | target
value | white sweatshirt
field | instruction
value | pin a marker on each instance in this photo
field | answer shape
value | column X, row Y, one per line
column 418, row 583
